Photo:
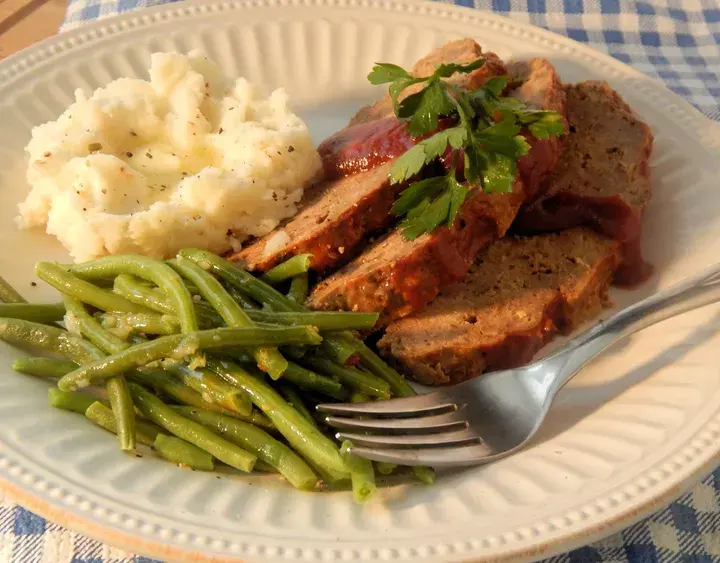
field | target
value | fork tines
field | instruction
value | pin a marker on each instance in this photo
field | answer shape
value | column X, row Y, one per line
column 412, row 431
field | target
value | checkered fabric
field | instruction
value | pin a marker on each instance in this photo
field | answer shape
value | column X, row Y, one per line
column 675, row 41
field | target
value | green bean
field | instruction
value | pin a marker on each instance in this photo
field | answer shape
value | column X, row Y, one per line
column 213, row 389
column 122, row 406
column 361, row 474
column 145, row 323
column 299, row 376
column 103, row 416
column 79, row 321
column 398, row 384
column 292, row 267
column 338, row 350
column 269, row 360
column 75, row 402
column 295, row 352
column 385, row 467
column 244, row 302
column 166, row 384
column 133, row 290
column 146, row 268
column 400, row 388
column 68, row 284
column 353, row 378
column 258, row 442
column 299, row 287
column 48, row 368
column 311, row 381
column 183, row 453
column 323, row 320
column 296, row 402
column 359, row 398
column 264, row 467
column 425, row 475
column 181, row 345
column 300, row 433
column 8, row 294
column 240, row 279
column 165, row 417
column 48, row 339
column 36, row 312
column 341, row 350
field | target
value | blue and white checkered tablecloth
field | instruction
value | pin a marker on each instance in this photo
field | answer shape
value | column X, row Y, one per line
column 675, row 41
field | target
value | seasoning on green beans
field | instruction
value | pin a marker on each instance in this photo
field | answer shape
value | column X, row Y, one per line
column 181, row 345
column 215, row 390
column 258, row 442
column 50, row 339
column 146, row 268
column 84, row 291
column 301, row 434
column 154, row 409
column 269, row 359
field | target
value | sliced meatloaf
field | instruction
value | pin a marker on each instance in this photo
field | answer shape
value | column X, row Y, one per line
column 536, row 83
column 338, row 215
column 462, row 51
column 395, row 276
column 335, row 218
column 603, row 178
column 518, row 294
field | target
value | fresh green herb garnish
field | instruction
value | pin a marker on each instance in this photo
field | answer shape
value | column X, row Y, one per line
column 484, row 138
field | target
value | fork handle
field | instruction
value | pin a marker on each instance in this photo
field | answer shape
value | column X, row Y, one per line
column 697, row 291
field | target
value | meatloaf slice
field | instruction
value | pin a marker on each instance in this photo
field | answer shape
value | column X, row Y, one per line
column 462, row 51
column 395, row 276
column 603, row 178
column 334, row 220
column 518, row 295
column 537, row 84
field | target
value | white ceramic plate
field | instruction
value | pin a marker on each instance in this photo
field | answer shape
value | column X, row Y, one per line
column 624, row 438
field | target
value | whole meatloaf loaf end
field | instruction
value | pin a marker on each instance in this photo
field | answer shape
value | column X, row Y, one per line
column 462, row 51
column 334, row 219
column 537, row 84
column 603, row 177
column 519, row 293
column 395, row 276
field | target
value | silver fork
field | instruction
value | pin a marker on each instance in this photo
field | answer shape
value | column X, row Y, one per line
column 496, row 414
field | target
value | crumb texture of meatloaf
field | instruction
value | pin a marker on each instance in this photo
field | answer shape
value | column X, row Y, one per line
column 519, row 293
column 335, row 217
column 395, row 276
column 603, row 177
column 462, row 51
column 536, row 83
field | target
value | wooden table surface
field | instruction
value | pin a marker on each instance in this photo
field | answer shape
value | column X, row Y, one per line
column 24, row 22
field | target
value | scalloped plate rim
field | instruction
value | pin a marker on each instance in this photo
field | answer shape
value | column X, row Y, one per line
column 47, row 49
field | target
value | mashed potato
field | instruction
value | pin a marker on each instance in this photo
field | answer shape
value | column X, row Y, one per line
column 188, row 159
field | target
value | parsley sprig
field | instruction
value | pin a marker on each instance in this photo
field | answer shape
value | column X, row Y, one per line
column 484, row 138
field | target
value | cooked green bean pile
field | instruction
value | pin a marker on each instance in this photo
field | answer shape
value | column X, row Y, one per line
column 204, row 363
